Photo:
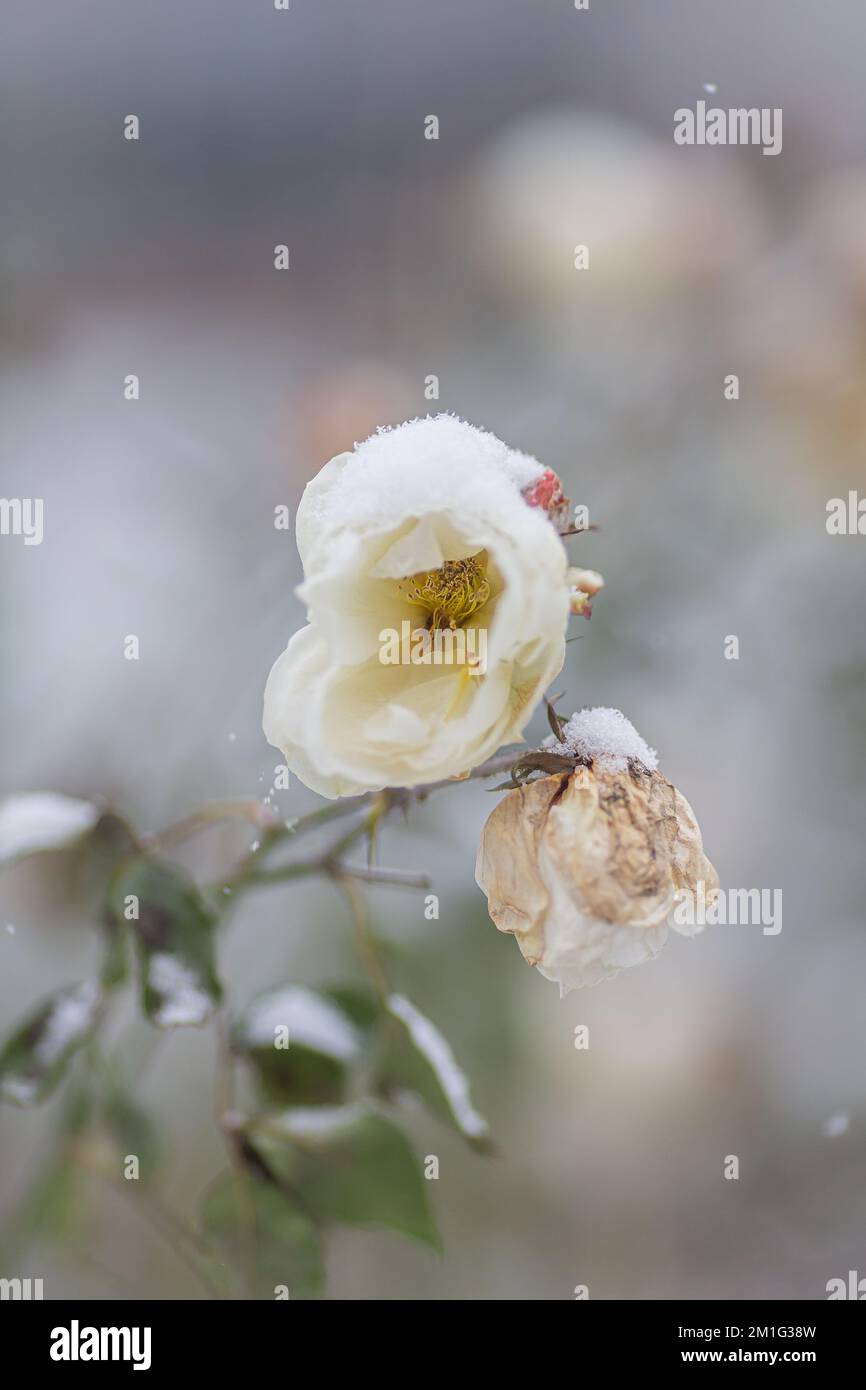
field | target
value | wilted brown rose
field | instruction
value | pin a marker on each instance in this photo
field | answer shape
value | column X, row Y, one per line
column 584, row 868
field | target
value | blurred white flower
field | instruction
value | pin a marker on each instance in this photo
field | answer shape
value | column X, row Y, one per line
column 438, row 524
column 651, row 221
column 834, row 228
column 584, row 866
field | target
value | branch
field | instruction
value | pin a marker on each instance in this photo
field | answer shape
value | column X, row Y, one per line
column 372, row 873
column 377, row 804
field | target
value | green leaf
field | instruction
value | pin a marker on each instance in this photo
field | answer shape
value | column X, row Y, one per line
column 129, row 1126
column 35, row 1058
column 115, row 955
column 359, row 1004
column 111, row 845
column 350, row 1164
column 268, row 1240
column 56, row 1210
column 175, row 937
column 54, row 1206
column 407, row 1053
column 303, row 1047
column 417, row 1058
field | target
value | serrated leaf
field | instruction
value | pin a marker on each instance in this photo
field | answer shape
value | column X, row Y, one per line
column 417, row 1058
column 175, row 939
column 35, row 1058
column 350, row 1164
column 302, row 1046
column 268, row 1241
column 37, row 821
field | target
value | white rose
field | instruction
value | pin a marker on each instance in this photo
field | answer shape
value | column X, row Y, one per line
column 428, row 524
column 558, row 178
column 586, row 866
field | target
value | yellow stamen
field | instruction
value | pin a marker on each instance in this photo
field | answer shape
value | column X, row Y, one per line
column 450, row 594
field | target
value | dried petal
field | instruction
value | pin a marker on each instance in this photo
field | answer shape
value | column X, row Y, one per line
column 584, row 868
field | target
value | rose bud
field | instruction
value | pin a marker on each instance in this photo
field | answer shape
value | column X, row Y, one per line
column 583, row 585
column 585, row 865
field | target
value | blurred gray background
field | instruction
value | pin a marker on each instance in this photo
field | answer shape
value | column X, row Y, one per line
column 409, row 258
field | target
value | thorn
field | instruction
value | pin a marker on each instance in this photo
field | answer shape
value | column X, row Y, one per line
column 553, row 719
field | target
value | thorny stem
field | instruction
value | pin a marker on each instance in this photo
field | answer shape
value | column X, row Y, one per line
column 251, row 870
column 377, row 804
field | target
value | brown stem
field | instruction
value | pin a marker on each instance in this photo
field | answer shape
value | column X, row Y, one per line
column 366, row 944
column 276, row 831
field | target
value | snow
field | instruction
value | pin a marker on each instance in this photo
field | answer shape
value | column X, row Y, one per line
column 434, row 460
column 312, row 1022
column 431, row 1044
column 42, row 820
column 22, row 1090
column 72, row 1016
column 183, row 1001
column 606, row 738
column 318, row 1122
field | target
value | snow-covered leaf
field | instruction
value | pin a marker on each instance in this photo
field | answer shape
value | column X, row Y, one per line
column 36, row 821
column 417, row 1058
column 302, row 1046
column 406, row 1053
column 174, row 933
column 34, row 1059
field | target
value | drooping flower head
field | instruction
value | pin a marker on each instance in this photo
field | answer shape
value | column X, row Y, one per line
column 438, row 526
column 585, row 866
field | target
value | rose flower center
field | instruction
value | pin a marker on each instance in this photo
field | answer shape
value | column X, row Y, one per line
column 451, row 594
